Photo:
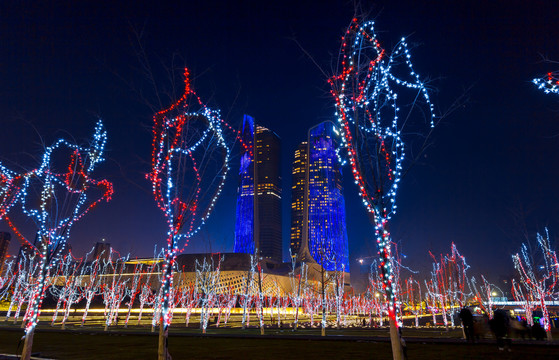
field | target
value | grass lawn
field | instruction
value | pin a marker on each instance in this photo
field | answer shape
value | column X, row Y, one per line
column 73, row 345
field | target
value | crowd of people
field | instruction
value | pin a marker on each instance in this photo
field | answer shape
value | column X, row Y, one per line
column 502, row 326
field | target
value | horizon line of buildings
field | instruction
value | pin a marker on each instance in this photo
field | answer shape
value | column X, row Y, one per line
column 318, row 226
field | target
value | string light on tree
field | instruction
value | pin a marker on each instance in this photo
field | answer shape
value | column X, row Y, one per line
column 549, row 83
column 55, row 196
column 189, row 164
column 368, row 96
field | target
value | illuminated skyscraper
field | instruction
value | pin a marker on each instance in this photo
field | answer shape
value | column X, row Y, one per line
column 244, row 226
column 298, row 198
column 258, row 222
column 323, row 235
column 268, row 188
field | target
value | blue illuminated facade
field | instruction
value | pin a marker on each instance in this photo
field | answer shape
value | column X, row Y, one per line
column 244, row 227
column 327, row 232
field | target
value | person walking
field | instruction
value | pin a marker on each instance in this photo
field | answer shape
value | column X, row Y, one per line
column 500, row 327
column 467, row 323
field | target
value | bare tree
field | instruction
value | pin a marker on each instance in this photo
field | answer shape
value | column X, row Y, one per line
column 380, row 115
column 188, row 169
column 55, row 196
column 539, row 274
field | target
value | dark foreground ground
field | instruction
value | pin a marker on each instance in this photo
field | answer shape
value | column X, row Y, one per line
column 130, row 344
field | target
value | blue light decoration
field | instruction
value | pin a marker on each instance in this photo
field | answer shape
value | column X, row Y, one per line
column 370, row 89
column 549, row 84
column 244, row 226
column 326, row 205
column 190, row 161
column 55, row 196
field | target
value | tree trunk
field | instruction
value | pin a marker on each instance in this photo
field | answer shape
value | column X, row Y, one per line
column 397, row 352
column 162, row 351
column 28, row 345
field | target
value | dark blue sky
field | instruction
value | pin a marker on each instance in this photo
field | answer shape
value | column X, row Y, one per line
column 63, row 65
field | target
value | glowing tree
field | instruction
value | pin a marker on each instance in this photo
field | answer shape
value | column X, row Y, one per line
column 55, row 196
column 207, row 283
column 527, row 300
column 7, row 278
column 69, row 293
column 26, row 271
column 484, row 294
column 113, row 291
column 370, row 98
column 539, row 275
column 376, row 290
column 413, row 298
column 189, row 164
column 133, row 290
column 548, row 83
column 298, row 281
column 449, row 282
column 93, row 284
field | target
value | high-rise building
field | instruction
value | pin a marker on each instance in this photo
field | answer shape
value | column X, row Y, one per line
column 268, row 189
column 298, row 199
column 323, row 236
column 244, row 225
column 5, row 238
column 258, row 225
column 102, row 251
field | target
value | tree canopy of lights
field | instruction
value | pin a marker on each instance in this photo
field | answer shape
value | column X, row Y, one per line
column 379, row 98
column 55, row 196
column 549, row 83
column 188, row 168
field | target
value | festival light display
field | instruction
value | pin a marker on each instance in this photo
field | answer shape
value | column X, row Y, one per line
column 299, row 282
column 244, row 226
column 549, row 84
column 207, row 282
column 370, row 100
column 484, row 294
column 413, row 298
column 189, row 163
column 540, row 279
column 448, row 289
column 55, row 196
column 528, row 302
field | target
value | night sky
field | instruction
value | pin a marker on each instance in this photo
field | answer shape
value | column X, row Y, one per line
column 491, row 170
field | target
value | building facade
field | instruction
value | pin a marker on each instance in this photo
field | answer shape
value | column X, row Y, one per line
column 258, row 223
column 322, row 237
column 298, row 198
column 327, row 240
column 244, row 222
column 102, row 251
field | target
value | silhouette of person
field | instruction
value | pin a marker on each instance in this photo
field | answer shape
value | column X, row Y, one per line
column 468, row 323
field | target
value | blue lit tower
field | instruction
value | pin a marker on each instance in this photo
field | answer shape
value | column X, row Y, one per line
column 258, row 222
column 327, row 235
column 244, row 227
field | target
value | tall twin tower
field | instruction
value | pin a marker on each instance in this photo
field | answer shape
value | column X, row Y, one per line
column 318, row 226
